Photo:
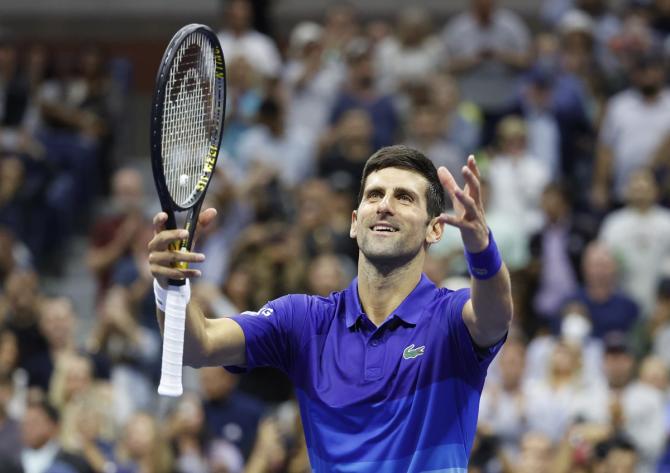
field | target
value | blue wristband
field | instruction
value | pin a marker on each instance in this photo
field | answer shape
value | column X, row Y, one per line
column 486, row 263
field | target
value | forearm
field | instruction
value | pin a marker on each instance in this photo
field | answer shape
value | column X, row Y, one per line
column 196, row 351
column 492, row 302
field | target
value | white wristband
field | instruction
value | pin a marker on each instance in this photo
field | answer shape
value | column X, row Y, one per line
column 160, row 294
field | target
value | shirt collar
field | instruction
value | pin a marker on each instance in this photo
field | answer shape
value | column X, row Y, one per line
column 408, row 311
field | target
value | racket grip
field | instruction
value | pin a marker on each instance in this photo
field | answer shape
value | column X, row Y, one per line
column 173, row 342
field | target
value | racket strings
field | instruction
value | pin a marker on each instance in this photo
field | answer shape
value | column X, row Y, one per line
column 188, row 117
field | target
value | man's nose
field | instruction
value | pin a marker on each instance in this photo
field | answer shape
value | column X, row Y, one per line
column 385, row 206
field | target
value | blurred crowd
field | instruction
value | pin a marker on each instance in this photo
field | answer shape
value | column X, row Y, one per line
column 568, row 114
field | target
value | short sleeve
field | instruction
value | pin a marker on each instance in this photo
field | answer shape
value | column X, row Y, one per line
column 271, row 333
column 475, row 357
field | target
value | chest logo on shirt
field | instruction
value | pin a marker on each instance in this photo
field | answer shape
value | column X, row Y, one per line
column 410, row 352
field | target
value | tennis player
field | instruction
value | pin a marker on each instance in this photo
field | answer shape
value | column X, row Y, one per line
column 388, row 372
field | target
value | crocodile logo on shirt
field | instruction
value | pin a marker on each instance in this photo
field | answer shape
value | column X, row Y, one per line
column 411, row 352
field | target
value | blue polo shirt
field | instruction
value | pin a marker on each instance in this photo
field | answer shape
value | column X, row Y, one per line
column 401, row 397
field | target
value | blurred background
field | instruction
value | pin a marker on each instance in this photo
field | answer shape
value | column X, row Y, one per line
column 564, row 103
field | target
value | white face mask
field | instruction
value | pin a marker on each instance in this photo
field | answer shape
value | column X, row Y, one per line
column 575, row 328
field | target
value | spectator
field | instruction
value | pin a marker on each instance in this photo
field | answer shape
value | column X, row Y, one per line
column 460, row 119
column 10, row 437
column 41, row 451
column 564, row 395
column 634, row 405
column 271, row 145
column 502, row 408
column 142, row 448
column 634, row 125
column 230, row 414
column 487, row 49
column 609, row 308
column 426, row 135
column 555, row 252
column 359, row 92
column 632, row 233
column 411, row 54
column 345, row 149
column 238, row 38
column 113, row 235
column 516, row 177
column 312, row 79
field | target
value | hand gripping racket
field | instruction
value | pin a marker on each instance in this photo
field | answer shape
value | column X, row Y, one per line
column 186, row 127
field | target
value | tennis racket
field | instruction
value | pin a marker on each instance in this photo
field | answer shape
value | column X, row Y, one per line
column 186, row 127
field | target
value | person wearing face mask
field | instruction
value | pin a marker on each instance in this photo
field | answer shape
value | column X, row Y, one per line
column 635, row 124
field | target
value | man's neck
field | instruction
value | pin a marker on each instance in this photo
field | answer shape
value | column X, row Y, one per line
column 381, row 290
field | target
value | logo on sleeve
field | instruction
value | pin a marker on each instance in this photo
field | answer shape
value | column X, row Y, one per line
column 264, row 311
column 411, row 352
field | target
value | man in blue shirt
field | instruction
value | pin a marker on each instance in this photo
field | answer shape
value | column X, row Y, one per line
column 388, row 372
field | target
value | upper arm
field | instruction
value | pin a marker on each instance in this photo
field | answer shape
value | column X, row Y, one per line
column 225, row 342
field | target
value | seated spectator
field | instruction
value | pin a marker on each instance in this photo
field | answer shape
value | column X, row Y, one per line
column 271, row 145
column 412, row 53
column 487, row 49
column 635, row 124
column 460, row 120
column 425, row 133
column 113, row 235
column 345, row 149
column 41, row 451
column 238, row 38
column 632, row 234
column 502, row 405
column 564, row 395
column 312, row 79
column 230, row 414
column 10, row 436
column 608, row 307
column 635, row 406
column 359, row 93
column 517, row 178
column 142, row 448
column 555, row 252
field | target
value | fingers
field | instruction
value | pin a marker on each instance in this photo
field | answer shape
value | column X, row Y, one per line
column 159, row 222
column 449, row 184
column 171, row 258
column 468, row 203
column 206, row 217
column 472, row 165
column 165, row 272
column 473, row 185
column 162, row 241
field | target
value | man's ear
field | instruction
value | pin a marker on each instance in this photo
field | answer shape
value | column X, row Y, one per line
column 434, row 231
column 354, row 225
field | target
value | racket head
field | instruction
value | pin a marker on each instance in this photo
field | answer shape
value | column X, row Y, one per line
column 187, row 116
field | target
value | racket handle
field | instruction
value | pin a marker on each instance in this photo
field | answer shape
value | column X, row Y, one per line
column 173, row 342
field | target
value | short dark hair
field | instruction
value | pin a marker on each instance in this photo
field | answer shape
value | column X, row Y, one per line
column 404, row 157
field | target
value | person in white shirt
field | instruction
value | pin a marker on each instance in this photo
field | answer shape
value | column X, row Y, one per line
column 239, row 39
column 635, row 124
column 517, row 178
column 411, row 54
column 637, row 235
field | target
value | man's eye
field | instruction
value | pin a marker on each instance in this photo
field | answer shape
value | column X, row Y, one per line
column 405, row 197
column 374, row 195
